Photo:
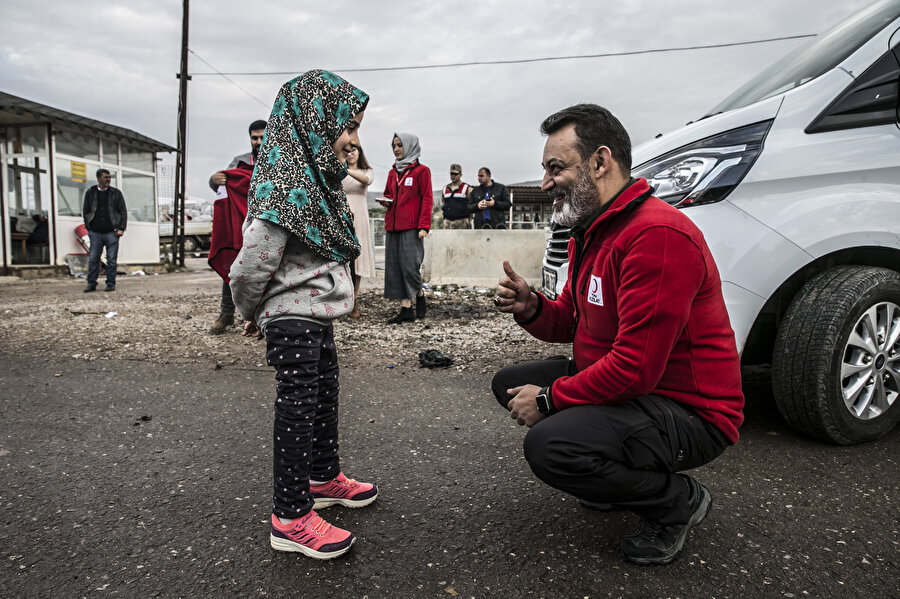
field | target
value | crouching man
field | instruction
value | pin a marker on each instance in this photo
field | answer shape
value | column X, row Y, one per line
column 654, row 388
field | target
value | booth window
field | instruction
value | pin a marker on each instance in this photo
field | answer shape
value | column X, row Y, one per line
column 137, row 159
column 70, row 186
column 25, row 140
column 138, row 192
column 110, row 151
column 79, row 145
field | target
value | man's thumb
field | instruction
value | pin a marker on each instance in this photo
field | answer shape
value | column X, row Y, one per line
column 508, row 269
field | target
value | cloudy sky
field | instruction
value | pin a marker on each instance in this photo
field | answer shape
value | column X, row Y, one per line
column 116, row 62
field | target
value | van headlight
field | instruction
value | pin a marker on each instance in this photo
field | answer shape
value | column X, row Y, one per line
column 705, row 171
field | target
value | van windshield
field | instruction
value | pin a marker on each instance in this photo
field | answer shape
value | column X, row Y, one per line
column 818, row 56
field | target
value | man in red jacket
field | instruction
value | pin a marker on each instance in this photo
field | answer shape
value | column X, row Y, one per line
column 654, row 387
column 223, row 233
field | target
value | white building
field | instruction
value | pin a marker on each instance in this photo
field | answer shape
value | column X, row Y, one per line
column 48, row 159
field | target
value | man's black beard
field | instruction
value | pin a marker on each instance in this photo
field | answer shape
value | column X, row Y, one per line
column 580, row 201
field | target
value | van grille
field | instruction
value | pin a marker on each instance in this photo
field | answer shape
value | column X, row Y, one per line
column 557, row 243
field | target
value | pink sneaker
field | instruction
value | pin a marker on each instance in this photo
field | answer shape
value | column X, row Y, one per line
column 343, row 491
column 310, row 535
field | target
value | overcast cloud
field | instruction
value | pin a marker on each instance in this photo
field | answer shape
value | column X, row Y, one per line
column 116, row 62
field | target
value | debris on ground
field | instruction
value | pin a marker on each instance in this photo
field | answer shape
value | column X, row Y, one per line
column 433, row 358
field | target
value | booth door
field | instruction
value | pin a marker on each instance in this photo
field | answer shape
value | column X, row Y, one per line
column 26, row 197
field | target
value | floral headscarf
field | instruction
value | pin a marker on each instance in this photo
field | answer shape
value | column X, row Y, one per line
column 297, row 179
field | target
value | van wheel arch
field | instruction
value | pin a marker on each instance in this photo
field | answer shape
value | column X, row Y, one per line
column 761, row 339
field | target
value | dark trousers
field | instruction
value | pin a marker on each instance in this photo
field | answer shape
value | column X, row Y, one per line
column 227, row 304
column 626, row 455
column 305, row 435
column 98, row 241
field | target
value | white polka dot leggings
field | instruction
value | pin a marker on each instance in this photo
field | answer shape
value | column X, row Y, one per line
column 306, row 411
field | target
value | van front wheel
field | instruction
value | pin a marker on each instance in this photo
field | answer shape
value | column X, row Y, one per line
column 836, row 364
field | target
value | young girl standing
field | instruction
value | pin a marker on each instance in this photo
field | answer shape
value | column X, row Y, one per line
column 289, row 282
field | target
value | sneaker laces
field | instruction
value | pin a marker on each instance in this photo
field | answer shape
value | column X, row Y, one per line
column 648, row 530
column 315, row 523
column 349, row 482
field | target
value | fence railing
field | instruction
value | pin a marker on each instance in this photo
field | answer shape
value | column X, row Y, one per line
column 376, row 228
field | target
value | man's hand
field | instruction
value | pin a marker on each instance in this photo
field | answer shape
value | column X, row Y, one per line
column 120, row 232
column 523, row 406
column 513, row 294
column 251, row 330
column 219, row 178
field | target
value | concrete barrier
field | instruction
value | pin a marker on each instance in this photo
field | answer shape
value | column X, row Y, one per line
column 475, row 257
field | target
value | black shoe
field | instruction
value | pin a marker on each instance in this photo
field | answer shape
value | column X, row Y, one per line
column 657, row 543
column 404, row 315
column 421, row 308
column 110, row 288
column 90, row 288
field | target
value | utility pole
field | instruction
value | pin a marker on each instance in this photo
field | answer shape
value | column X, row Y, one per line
column 181, row 158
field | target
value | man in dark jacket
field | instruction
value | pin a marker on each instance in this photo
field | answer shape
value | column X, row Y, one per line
column 256, row 130
column 654, row 386
column 105, row 217
column 489, row 201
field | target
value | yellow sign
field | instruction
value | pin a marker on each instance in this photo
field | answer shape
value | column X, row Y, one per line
column 79, row 172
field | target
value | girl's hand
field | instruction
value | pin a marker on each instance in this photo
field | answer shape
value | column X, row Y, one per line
column 251, row 330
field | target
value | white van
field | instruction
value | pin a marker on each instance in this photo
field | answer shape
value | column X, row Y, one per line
column 794, row 180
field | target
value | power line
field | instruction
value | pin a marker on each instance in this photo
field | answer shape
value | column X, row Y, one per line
column 521, row 60
column 225, row 75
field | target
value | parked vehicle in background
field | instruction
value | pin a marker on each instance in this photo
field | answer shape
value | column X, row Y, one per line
column 197, row 225
column 794, row 180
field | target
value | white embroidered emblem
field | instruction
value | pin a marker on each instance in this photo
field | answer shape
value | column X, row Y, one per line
column 595, row 291
column 408, row 182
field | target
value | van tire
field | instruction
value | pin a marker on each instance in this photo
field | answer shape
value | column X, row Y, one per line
column 190, row 245
column 814, row 340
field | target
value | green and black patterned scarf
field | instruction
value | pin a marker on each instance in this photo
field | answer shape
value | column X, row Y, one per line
column 297, row 179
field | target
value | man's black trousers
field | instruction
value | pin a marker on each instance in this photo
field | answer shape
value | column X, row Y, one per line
column 625, row 455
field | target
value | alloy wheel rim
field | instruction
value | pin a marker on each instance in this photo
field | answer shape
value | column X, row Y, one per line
column 870, row 368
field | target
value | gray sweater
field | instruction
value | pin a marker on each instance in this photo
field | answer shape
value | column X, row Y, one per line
column 276, row 276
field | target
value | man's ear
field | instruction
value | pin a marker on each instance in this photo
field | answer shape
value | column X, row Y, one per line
column 601, row 161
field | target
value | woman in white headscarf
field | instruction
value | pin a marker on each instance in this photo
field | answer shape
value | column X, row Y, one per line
column 407, row 222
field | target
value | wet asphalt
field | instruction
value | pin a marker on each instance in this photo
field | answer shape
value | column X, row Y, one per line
column 135, row 479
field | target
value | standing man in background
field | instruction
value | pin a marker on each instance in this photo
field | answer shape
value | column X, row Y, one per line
column 456, row 201
column 489, row 201
column 105, row 217
column 226, row 313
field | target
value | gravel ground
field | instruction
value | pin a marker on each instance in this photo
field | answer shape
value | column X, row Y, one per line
column 165, row 318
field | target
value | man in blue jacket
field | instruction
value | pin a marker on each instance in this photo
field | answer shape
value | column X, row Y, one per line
column 105, row 217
